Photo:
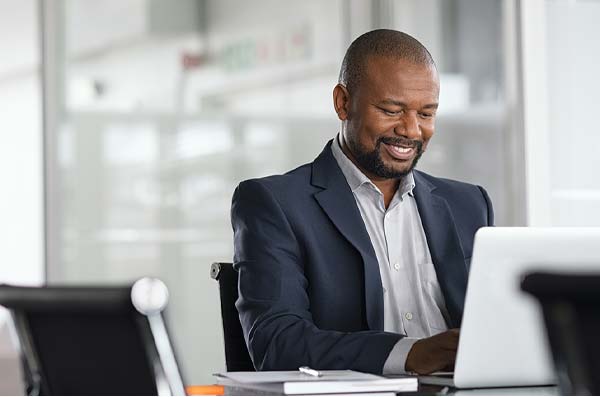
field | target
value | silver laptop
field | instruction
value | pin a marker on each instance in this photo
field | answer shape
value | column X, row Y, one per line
column 503, row 341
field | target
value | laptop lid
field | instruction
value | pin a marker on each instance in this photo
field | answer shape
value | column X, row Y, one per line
column 503, row 341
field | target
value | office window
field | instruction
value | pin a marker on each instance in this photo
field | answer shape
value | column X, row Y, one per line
column 166, row 106
column 573, row 57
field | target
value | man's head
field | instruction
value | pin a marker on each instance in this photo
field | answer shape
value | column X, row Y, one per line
column 387, row 97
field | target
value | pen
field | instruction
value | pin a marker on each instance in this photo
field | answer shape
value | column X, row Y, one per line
column 310, row 371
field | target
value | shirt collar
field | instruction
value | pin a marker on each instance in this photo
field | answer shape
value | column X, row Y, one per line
column 356, row 178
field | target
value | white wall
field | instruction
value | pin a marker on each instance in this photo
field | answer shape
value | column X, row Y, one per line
column 21, row 189
column 561, row 55
column 21, row 225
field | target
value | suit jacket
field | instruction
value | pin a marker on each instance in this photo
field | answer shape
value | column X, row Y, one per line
column 310, row 290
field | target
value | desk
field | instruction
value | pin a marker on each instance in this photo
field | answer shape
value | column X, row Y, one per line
column 427, row 390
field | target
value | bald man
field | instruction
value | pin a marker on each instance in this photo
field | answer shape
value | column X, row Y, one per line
column 358, row 260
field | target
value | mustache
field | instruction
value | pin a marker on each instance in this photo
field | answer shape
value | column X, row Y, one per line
column 400, row 141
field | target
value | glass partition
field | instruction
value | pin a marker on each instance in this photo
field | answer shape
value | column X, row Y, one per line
column 164, row 107
column 573, row 58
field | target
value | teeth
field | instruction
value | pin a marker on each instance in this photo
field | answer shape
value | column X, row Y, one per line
column 400, row 149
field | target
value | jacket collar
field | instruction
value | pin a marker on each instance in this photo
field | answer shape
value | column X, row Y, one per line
column 337, row 201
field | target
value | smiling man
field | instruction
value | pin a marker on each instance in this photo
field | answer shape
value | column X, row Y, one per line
column 357, row 260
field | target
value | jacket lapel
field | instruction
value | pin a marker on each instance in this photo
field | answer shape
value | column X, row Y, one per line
column 444, row 245
column 337, row 201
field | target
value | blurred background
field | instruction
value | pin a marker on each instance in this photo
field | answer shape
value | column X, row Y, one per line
column 125, row 125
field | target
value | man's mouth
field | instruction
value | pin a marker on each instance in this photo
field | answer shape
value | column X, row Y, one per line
column 400, row 152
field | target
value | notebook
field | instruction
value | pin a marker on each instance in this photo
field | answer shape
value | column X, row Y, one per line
column 295, row 382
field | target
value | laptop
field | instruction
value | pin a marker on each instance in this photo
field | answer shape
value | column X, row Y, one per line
column 503, row 340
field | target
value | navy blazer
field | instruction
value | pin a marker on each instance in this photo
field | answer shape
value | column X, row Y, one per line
column 310, row 291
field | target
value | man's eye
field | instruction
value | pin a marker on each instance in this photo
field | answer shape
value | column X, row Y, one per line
column 392, row 112
column 426, row 115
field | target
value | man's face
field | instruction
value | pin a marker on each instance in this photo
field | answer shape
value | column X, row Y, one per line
column 389, row 119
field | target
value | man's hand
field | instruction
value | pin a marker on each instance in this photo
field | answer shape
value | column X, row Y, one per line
column 436, row 353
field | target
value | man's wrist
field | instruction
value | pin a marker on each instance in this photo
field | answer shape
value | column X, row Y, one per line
column 396, row 361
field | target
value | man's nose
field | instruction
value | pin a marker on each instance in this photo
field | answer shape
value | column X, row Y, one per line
column 409, row 126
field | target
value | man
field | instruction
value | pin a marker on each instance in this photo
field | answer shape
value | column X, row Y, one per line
column 358, row 261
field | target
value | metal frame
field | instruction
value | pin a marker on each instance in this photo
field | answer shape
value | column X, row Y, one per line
column 161, row 355
column 165, row 357
column 514, row 146
column 535, row 109
column 52, row 33
column 33, row 377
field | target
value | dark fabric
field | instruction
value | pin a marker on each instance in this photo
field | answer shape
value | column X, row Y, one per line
column 83, row 354
column 571, row 307
column 310, row 288
column 236, row 352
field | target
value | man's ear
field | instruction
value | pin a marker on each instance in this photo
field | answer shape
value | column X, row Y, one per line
column 341, row 101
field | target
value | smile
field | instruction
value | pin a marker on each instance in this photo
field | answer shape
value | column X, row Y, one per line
column 400, row 152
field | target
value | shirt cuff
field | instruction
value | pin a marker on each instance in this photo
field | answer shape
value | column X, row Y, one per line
column 396, row 361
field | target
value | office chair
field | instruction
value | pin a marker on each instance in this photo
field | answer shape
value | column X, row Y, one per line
column 571, row 308
column 237, row 357
column 94, row 340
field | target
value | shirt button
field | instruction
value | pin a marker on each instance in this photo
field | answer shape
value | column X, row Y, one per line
column 408, row 316
column 397, row 266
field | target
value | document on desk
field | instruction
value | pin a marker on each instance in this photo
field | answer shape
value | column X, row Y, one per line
column 296, row 382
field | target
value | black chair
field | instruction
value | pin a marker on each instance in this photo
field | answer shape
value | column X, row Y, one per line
column 237, row 357
column 94, row 340
column 571, row 307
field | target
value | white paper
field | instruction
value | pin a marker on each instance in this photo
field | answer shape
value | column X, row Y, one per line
column 295, row 376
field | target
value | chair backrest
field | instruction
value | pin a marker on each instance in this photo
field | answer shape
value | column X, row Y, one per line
column 570, row 304
column 93, row 340
column 237, row 357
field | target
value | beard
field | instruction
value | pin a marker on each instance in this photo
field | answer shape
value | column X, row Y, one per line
column 372, row 162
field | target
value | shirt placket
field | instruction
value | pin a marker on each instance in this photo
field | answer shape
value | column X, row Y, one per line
column 400, row 260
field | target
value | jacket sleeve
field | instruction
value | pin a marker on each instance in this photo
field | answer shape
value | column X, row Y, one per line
column 273, row 301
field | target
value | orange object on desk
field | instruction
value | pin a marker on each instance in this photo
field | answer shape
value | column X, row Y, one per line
column 205, row 390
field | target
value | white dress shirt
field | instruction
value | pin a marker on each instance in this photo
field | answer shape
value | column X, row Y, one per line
column 413, row 303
